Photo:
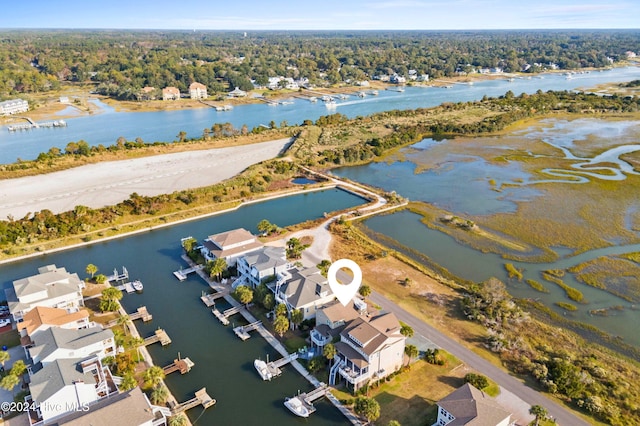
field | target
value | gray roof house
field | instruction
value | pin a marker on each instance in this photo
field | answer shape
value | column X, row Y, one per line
column 62, row 343
column 53, row 287
column 304, row 289
column 470, row 407
column 230, row 245
column 256, row 266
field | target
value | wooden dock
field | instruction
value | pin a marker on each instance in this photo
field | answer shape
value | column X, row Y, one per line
column 201, row 398
column 159, row 336
column 243, row 331
column 128, row 287
column 117, row 277
column 315, row 394
column 183, row 273
column 210, row 299
column 141, row 313
column 224, row 316
column 274, row 366
column 220, row 317
column 182, row 365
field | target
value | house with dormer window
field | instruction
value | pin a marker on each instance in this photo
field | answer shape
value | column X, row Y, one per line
column 472, row 407
column 260, row 265
column 229, row 245
column 304, row 289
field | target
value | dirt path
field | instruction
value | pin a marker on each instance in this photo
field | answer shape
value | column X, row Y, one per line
column 108, row 183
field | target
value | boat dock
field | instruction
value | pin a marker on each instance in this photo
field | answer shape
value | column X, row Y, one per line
column 274, row 366
column 117, row 277
column 315, row 394
column 141, row 313
column 182, row 273
column 159, row 336
column 33, row 125
column 181, row 365
column 210, row 299
column 224, row 316
column 243, row 331
column 201, row 398
column 127, row 286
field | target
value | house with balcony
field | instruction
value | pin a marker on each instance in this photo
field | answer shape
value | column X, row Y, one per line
column 197, row 91
column 53, row 287
column 304, row 289
column 470, row 406
column 261, row 265
column 42, row 318
column 369, row 349
column 230, row 245
column 332, row 318
column 60, row 343
column 131, row 408
column 66, row 386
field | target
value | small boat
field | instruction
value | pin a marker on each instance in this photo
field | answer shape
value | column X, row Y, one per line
column 137, row 285
column 296, row 406
column 261, row 368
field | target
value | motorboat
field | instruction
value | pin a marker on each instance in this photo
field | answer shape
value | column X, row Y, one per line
column 137, row 285
column 262, row 369
column 296, row 406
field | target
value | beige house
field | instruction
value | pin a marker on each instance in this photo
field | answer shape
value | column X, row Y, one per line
column 472, row 407
column 42, row 318
column 230, row 245
column 369, row 349
column 197, row 91
column 170, row 93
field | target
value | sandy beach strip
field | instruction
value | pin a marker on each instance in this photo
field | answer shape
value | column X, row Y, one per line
column 108, row 183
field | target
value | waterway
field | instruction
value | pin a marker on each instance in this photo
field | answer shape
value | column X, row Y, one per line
column 106, row 127
column 223, row 363
column 427, row 171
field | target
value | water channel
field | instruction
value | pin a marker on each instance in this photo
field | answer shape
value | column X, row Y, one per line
column 105, row 128
column 224, row 363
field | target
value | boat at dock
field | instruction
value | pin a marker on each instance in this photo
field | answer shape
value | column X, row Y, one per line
column 137, row 285
column 297, row 407
column 262, row 369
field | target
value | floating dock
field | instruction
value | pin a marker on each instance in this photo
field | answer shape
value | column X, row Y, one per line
column 182, row 273
column 243, row 331
column 159, row 336
column 182, row 365
column 201, row 398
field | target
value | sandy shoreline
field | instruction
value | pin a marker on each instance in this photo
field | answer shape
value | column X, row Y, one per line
column 107, row 183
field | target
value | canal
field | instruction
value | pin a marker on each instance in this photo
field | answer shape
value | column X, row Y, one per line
column 223, row 363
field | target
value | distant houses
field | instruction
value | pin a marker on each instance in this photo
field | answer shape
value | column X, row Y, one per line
column 237, row 93
column 170, row 93
column 13, row 106
column 197, row 91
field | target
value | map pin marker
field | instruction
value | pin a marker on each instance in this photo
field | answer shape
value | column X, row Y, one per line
column 344, row 292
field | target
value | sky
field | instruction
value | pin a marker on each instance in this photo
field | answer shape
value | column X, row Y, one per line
column 249, row 15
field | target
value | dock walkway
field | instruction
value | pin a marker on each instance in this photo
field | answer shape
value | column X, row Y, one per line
column 210, row 299
column 243, row 331
column 182, row 274
column 182, row 365
column 159, row 336
column 141, row 313
column 201, row 398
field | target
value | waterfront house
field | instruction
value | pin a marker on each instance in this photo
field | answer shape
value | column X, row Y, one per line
column 197, row 91
column 470, row 406
column 170, row 93
column 61, row 343
column 230, row 245
column 53, row 287
column 42, row 318
column 68, row 385
column 148, row 93
column 130, row 408
column 13, row 106
column 304, row 289
column 368, row 350
column 237, row 93
column 332, row 318
column 261, row 265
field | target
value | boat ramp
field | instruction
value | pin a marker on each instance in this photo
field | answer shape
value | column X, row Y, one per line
column 159, row 336
column 183, row 365
column 201, row 398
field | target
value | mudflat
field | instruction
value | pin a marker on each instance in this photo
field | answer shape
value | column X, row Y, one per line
column 108, row 183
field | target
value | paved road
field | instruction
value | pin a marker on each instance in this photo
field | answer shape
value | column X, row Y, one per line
column 560, row 414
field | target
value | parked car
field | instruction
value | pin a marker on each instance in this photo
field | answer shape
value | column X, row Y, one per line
column 5, row 322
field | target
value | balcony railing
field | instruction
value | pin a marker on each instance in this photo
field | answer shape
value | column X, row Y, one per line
column 353, row 376
column 318, row 338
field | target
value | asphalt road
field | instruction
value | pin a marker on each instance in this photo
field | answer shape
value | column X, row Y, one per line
column 560, row 414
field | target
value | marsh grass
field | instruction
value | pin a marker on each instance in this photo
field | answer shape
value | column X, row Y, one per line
column 572, row 293
column 536, row 285
column 617, row 275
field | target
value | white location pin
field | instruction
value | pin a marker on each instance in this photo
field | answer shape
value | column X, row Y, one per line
column 344, row 292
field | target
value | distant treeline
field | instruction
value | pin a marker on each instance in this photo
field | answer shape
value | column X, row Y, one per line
column 123, row 62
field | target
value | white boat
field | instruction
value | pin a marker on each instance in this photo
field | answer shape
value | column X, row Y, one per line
column 296, row 406
column 137, row 285
column 261, row 368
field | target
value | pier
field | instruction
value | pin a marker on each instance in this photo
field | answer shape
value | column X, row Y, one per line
column 159, row 336
column 307, row 399
column 274, row 366
column 201, row 398
column 224, row 316
column 117, row 277
column 210, row 299
column 182, row 273
column 243, row 331
column 33, row 125
column 181, row 365
column 141, row 313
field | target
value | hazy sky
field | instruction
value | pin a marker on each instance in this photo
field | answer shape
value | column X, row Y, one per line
column 319, row 15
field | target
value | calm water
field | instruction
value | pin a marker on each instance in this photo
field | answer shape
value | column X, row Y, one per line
column 224, row 363
column 105, row 128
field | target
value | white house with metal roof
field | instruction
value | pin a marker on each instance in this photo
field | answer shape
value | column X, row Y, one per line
column 259, row 265
column 304, row 289
column 61, row 343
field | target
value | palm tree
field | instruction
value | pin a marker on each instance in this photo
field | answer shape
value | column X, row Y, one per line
column 297, row 317
column 216, row 267
column 539, row 411
column 128, row 382
column 329, row 352
column 178, row 420
column 91, row 269
column 153, row 376
column 411, row 351
column 122, row 321
column 9, row 382
column 159, row 395
column 406, row 330
column 364, row 290
column 281, row 325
